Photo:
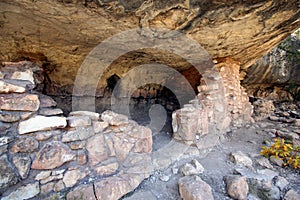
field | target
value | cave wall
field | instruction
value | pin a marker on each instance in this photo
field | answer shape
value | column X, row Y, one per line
column 59, row 34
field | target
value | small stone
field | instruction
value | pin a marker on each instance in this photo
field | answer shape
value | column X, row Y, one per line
column 194, row 188
column 26, row 75
column 99, row 126
column 96, row 149
column 281, row 183
column 122, row 146
column 51, row 178
column 47, row 188
column 92, row 115
column 24, row 145
column 270, row 174
column 42, row 175
column 59, row 186
column 26, row 192
column 14, row 116
column 58, row 172
column 277, row 161
column 291, row 195
column 19, row 102
column 264, row 162
column 75, row 121
column 46, row 101
column 7, row 175
column 274, row 118
column 4, row 127
column 13, row 86
column 41, row 123
column 192, row 169
column 81, row 157
column 240, row 158
column 5, row 140
column 114, row 119
column 80, row 133
column 165, row 178
column 50, row 111
column 52, row 155
column 22, row 163
column 71, row 177
column 106, row 170
column 85, row 192
column 237, row 187
column 42, row 136
column 77, row 145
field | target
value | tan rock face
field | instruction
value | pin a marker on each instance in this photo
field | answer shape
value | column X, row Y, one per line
column 62, row 34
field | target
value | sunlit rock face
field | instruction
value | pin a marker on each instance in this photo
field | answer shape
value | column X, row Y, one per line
column 59, row 34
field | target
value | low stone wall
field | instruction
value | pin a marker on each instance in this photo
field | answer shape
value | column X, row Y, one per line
column 44, row 154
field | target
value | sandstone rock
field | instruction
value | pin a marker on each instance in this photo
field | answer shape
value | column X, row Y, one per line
column 237, row 187
column 117, row 186
column 59, row 186
column 71, row 177
column 105, row 170
column 22, row 163
column 241, row 159
column 42, row 175
column 41, row 123
column 194, row 188
column 26, row 192
column 114, row 119
column 99, row 126
column 45, row 135
column 81, row 157
column 165, row 178
column 13, row 116
column 77, row 145
column 26, row 75
column 51, row 178
column 80, row 133
column 48, row 187
column 193, row 168
column 13, row 86
column 50, row 111
column 52, row 155
column 281, row 183
column 75, row 121
column 5, row 140
column 46, row 101
column 85, row 192
column 92, row 115
column 19, row 102
column 24, row 145
column 7, row 175
column 291, row 195
column 122, row 147
column 96, row 148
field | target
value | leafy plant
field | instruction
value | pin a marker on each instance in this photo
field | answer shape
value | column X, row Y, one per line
column 285, row 151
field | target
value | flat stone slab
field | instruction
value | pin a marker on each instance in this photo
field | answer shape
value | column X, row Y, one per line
column 14, row 86
column 19, row 102
column 41, row 123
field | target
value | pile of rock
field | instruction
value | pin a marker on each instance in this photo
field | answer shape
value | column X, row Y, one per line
column 44, row 154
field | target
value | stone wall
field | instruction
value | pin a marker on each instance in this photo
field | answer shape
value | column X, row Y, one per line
column 44, row 154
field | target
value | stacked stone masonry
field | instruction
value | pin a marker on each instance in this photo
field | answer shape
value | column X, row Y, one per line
column 44, row 154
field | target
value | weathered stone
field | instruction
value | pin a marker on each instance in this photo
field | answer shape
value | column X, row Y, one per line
column 7, row 175
column 269, row 174
column 85, row 192
column 13, row 116
column 281, row 183
column 193, row 168
column 147, row 195
column 144, row 143
column 45, row 135
column 71, row 177
column 48, row 187
column 41, row 123
column 58, row 172
column 96, row 148
column 194, row 188
column 207, row 141
column 99, row 126
column 75, row 121
column 92, row 115
column 42, row 175
column 26, row 75
column 165, row 178
column 51, row 178
column 4, row 127
column 291, row 195
column 5, row 140
column 276, row 161
column 22, row 163
column 80, row 133
column 50, row 111
column 59, row 186
column 52, row 155
column 81, row 157
column 46, row 101
column 264, row 162
column 237, row 187
column 122, row 147
column 117, row 186
column 77, row 145
column 108, row 169
column 26, row 192
column 13, row 86
column 24, row 145
column 241, row 159
column 297, row 122
column 19, row 102
column 114, row 119
column 3, row 149
column 263, row 189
